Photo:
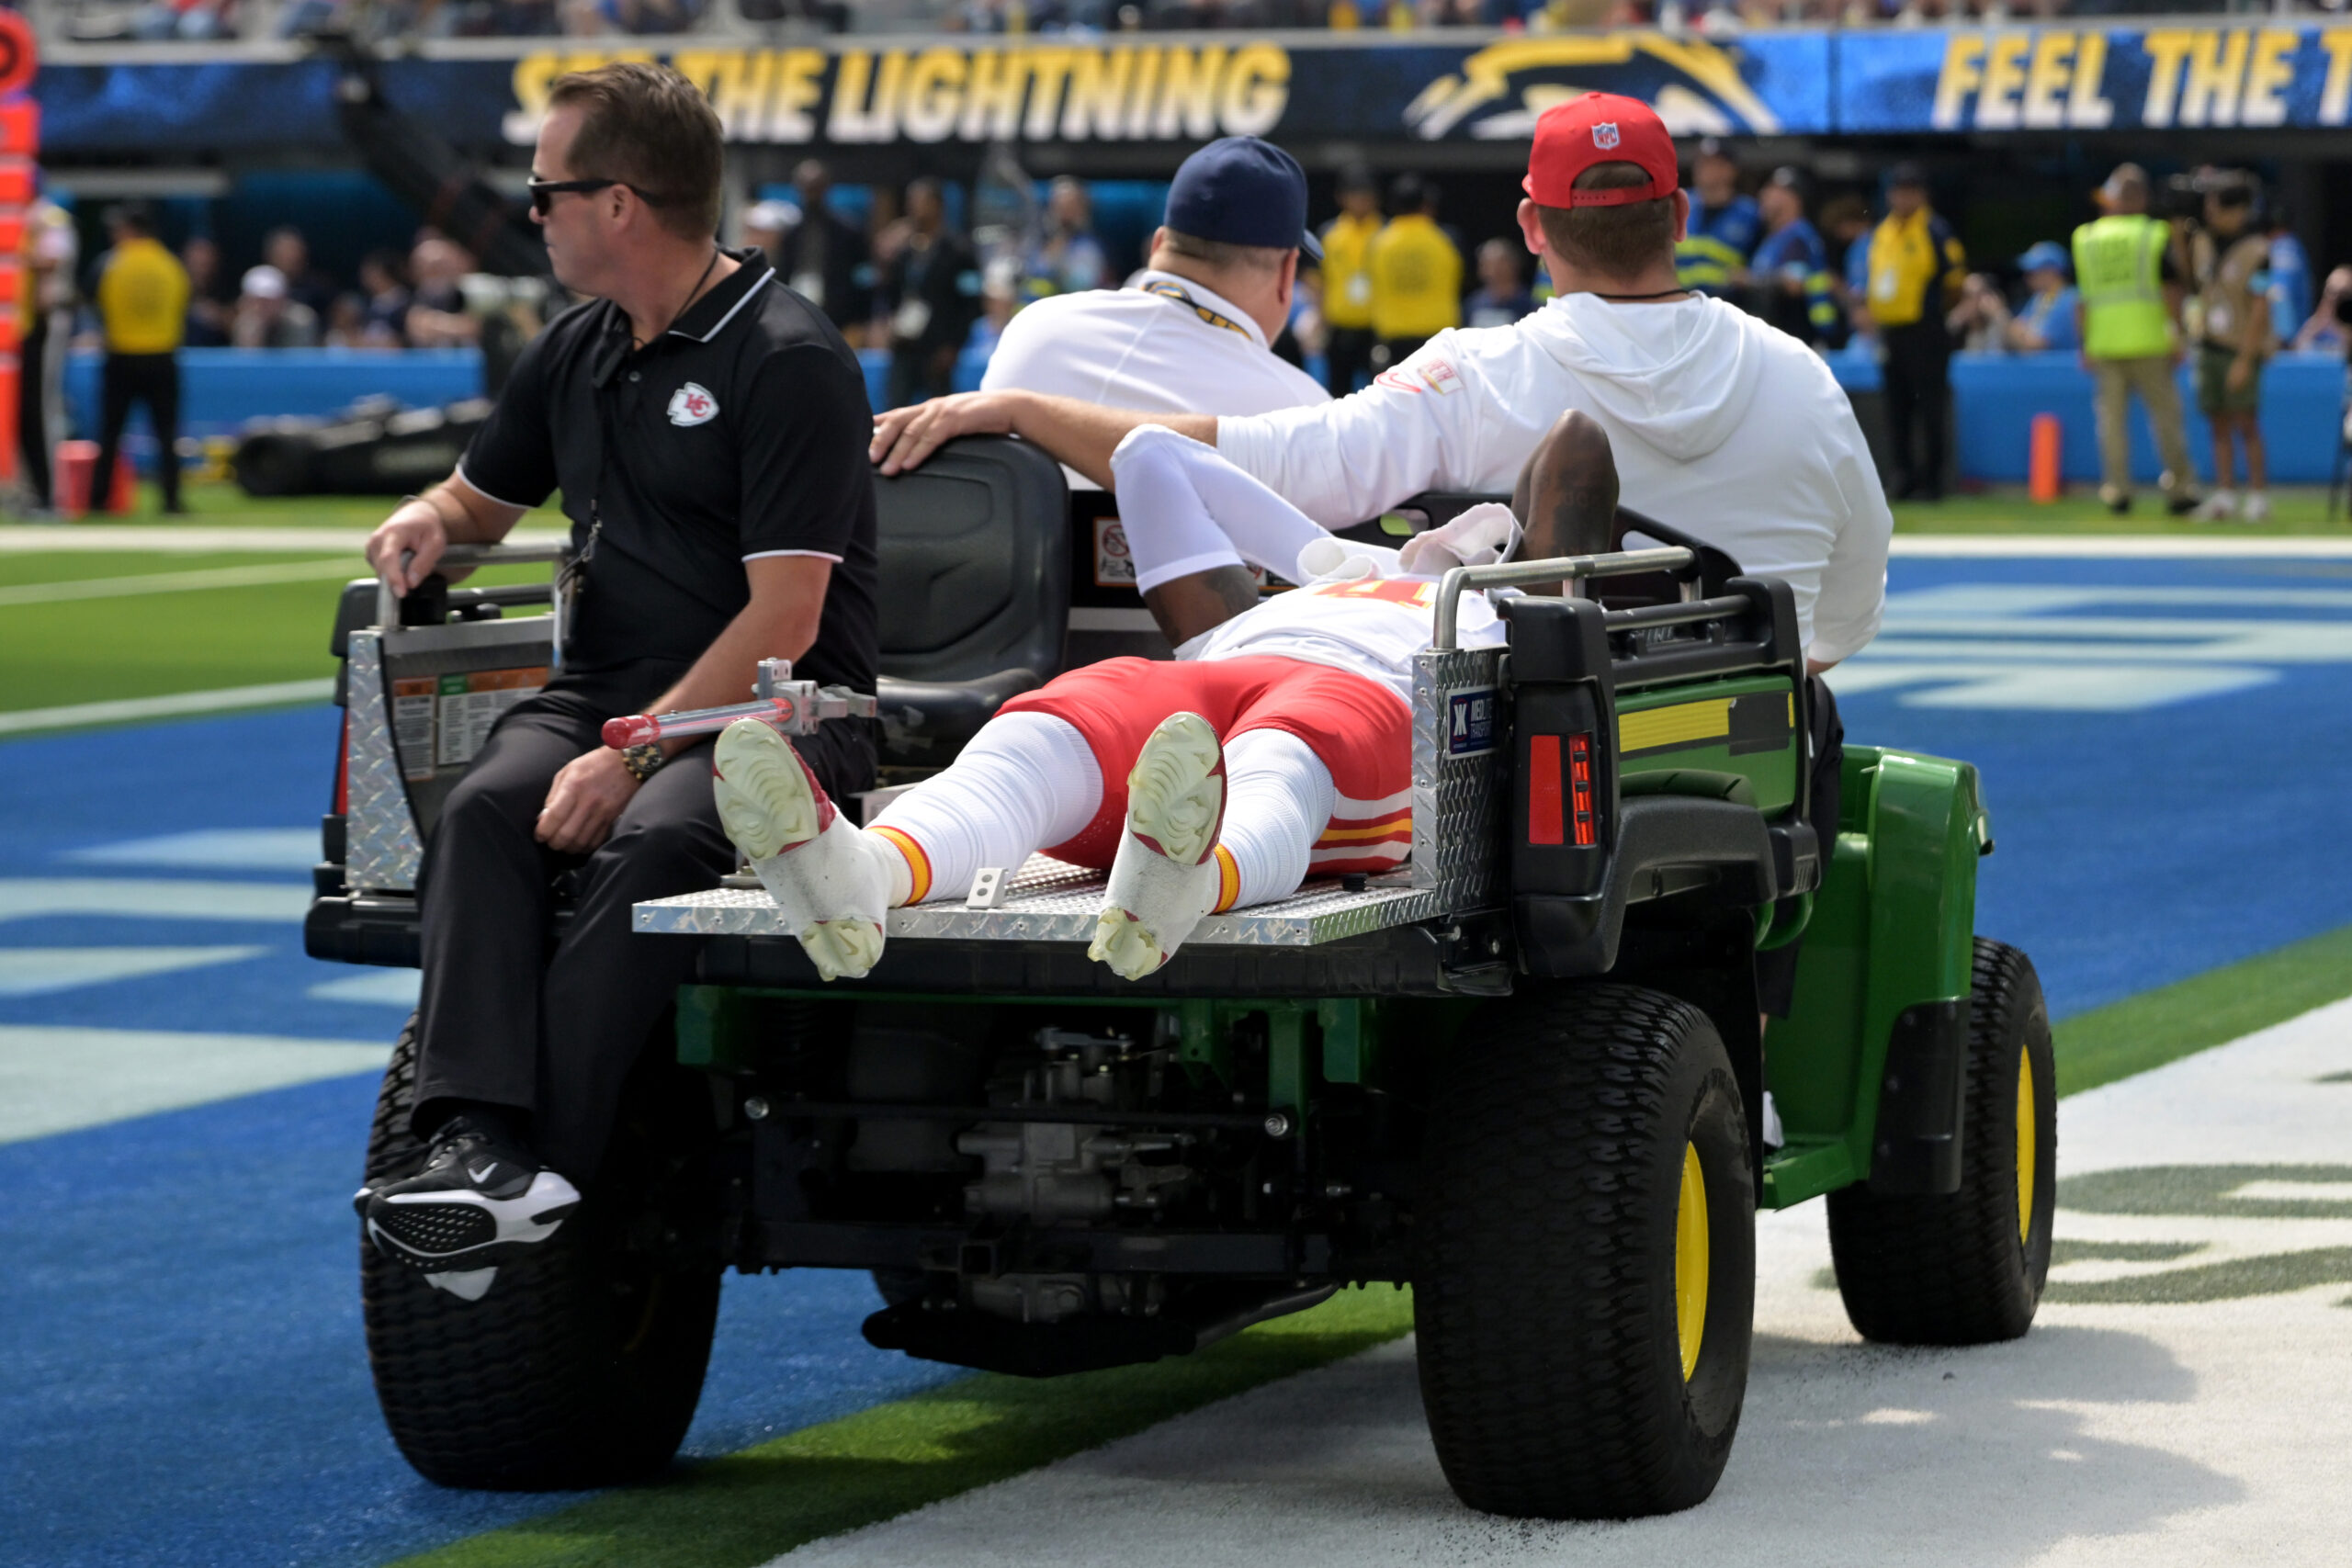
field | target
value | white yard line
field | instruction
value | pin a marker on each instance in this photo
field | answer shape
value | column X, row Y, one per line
column 179, row 704
column 134, row 537
column 2113, row 1435
column 55, row 1080
column 161, row 898
column 181, row 581
column 2122, row 547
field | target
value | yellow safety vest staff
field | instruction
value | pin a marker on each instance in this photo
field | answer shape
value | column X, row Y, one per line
column 1907, row 256
column 142, row 298
column 2119, row 269
column 1416, row 279
column 1347, row 271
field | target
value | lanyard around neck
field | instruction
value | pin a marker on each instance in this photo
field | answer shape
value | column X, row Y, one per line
column 1168, row 290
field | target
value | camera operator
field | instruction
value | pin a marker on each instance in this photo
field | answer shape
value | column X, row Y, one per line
column 2229, row 257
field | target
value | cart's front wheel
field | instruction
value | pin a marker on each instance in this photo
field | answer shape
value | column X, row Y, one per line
column 583, row 1364
column 1967, row 1268
column 1585, row 1276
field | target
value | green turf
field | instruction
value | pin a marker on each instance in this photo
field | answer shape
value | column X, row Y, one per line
column 748, row 1507
column 221, row 505
column 2296, row 511
column 2212, row 1009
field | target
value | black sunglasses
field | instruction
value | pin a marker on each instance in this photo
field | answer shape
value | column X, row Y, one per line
column 544, row 192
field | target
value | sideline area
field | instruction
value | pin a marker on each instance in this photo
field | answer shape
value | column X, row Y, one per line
column 152, row 879
column 2183, row 1397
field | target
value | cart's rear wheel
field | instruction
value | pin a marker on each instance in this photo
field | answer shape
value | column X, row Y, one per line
column 1585, row 1276
column 583, row 1364
column 1967, row 1268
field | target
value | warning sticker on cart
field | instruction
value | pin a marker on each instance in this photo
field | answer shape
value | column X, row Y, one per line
column 471, row 704
column 1114, row 565
column 412, row 705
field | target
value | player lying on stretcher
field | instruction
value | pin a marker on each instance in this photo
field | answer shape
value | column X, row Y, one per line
column 1278, row 745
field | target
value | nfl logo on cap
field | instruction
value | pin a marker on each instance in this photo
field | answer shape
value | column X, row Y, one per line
column 1604, row 135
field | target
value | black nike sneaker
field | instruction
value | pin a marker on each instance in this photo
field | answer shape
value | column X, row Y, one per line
column 480, row 1201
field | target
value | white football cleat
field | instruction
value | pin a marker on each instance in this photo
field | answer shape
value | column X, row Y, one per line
column 829, row 876
column 1165, row 877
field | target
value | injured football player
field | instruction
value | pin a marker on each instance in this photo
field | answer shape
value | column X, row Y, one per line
column 1277, row 745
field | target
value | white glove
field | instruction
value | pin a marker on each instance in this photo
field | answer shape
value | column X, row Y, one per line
column 1482, row 536
column 1333, row 560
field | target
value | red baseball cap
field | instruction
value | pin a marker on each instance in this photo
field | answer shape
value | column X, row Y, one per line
column 1598, row 127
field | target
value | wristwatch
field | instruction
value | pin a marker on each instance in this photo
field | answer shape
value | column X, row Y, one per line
column 643, row 761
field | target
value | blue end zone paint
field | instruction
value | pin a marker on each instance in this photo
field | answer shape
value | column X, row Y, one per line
column 2137, row 848
column 185, row 1381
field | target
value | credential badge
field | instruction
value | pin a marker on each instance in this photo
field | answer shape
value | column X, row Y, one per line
column 692, row 404
column 1604, row 135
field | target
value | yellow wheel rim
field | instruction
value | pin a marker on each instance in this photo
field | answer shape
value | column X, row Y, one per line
column 2025, row 1147
column 1690, row 1260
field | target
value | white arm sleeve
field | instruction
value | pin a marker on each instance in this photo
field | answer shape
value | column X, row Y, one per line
column 1853, row 584
column 1348, row 460
column 1185, row 509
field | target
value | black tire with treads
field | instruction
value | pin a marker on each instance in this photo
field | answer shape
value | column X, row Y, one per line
column 1544, row 1236
column 1955, row 1269
column 583, row 1365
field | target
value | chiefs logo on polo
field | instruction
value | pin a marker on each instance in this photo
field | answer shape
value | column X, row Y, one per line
column 692, row 404
column 1604, row 135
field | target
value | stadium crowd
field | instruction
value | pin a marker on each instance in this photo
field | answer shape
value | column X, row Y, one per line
column 213, row 20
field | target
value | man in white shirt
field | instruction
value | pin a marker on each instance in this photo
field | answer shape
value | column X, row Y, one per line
column 1189, row 333
column 1719, row 423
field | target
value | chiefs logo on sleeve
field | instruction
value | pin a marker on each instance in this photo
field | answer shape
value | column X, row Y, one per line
column 692, row 404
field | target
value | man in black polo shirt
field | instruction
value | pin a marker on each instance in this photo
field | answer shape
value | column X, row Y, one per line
column 706, row 428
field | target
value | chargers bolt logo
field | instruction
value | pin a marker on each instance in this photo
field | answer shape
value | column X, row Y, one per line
column 1604, row 135
column 692, row 404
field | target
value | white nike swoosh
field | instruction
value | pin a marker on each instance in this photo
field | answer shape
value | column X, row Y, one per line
column 483, row 1174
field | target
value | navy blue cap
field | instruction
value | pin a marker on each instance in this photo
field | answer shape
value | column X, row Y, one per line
column 1242, row 191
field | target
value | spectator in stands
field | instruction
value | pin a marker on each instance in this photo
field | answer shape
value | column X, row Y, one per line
column 2228, row 257
column 1416, row 272
column 143, row 311
column 934, row 286
column 196, row 20
column 1067, row 258
column 1347, row 281
column 2044, row 323
column 386, row 302
column 347, row 324
column 823, row 258
column 765, row 225
column 1000, row 299
column 2290, row 276
column 1917, row 267
column 290, row 252
column 2325, row 332
column 45, row 309
column 208, row 309
column 438, row 316
column 2129, row 324
column 1502, row 297
column 1711, row 256
column 268, row 316
column 1979, row 322
column 1791, row 288
column 1846, row 223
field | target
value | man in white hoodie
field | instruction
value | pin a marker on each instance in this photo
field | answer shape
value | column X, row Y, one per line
column 1719, row 423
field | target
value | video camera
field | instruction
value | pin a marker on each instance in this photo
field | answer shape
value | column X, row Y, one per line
column 2182, row 198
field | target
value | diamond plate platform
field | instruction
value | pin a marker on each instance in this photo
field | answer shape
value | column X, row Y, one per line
column 1053, row 901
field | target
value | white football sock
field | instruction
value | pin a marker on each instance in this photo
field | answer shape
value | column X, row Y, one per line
column 1279, row 798
column 1025, row 781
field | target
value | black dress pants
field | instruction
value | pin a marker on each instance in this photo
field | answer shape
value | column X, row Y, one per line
column 553, row 1028
column 1347, row 353
column 1917, row 377
column 152, row 380
column 34, row 361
